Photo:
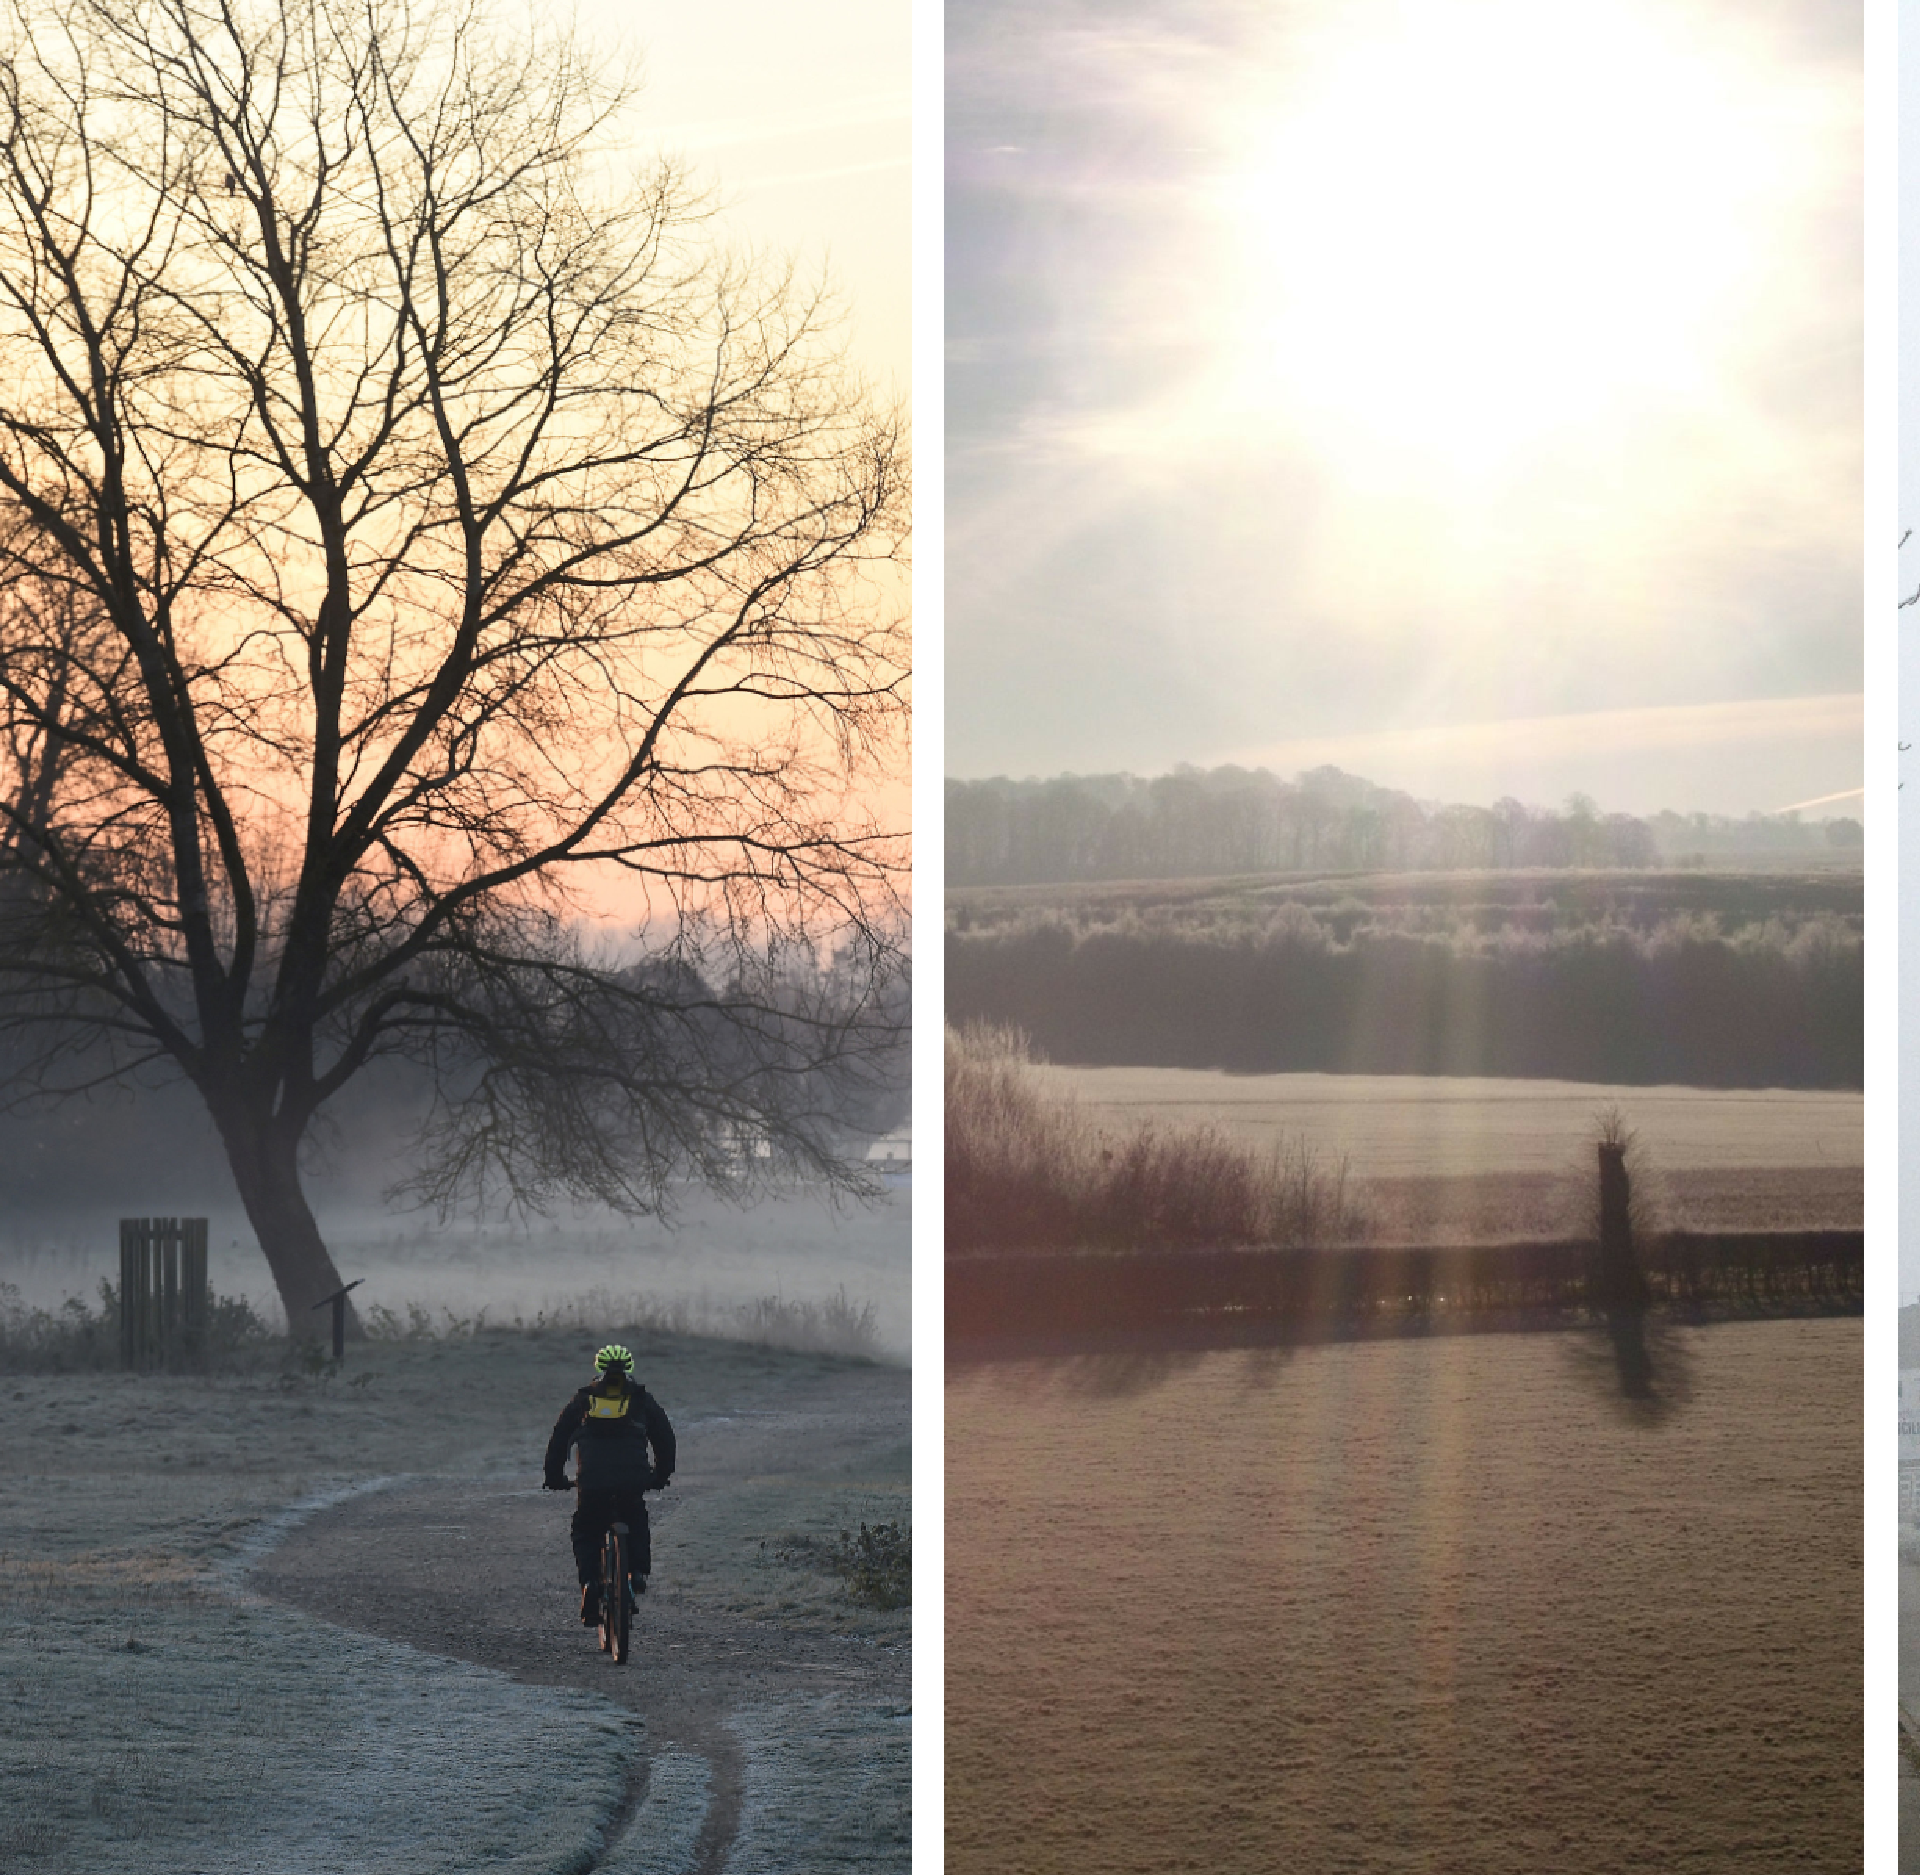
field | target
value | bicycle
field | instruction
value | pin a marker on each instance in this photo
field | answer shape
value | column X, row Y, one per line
column 617, row 1599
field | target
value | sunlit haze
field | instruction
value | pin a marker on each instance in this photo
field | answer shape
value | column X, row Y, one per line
column 1407, row 381
column 798, row 123
column 1909, row 642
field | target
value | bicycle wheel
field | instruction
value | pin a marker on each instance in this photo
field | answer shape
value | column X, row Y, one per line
column 620, row 1599
column 608, row 1559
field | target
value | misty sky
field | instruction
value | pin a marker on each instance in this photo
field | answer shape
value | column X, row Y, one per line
column 1464, row 393
column 1909, row 639
column 801, row 118
column 799, row 121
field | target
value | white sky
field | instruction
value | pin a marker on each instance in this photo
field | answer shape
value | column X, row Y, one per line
column 802, row 117
column 1909, row 640
column 1467, row 393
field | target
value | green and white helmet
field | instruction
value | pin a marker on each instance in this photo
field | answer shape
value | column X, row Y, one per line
column 613, row 1359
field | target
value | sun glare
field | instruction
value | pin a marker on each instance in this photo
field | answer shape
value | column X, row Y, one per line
column 1500, row 224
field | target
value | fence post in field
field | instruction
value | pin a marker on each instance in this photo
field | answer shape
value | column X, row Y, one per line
column 163, row 1290
column 194, row 1296
column 338, row 1303
column 133, row 1301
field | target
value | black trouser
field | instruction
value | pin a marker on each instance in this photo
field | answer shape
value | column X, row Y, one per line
column 593, row 1513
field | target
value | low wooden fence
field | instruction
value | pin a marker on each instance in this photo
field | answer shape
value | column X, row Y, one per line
column 163, row 1290
column 1366, row 1290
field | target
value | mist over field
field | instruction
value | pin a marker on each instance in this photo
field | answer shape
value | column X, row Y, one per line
column 68, row 1173
column 1404, row 1246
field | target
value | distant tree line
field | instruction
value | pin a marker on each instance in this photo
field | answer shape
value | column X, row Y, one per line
column 1772, row 1004
column 1200, row 823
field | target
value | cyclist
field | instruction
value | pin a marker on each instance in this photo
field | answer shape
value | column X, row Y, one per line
column 612, row 1422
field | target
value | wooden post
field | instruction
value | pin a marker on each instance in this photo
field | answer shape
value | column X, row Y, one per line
column 338, row 1302
column 132, row 1265
column 1621, row 1284
column 195, row 1301
column 164, row 1302
column 167, row 1258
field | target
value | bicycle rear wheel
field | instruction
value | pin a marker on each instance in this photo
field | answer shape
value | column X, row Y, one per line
column 607, row 1562
column 619, row 1599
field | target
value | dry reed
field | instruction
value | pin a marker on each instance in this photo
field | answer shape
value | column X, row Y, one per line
column 1028, row 1171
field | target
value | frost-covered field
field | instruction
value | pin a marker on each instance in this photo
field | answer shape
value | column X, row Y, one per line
column 246, row 1737
column 162, row 1716
column 1430, row 1125
column 1435, row 1159
column 702, row 1265
column 1445, row 1604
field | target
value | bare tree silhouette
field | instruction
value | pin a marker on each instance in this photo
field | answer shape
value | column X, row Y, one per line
column 406, row 534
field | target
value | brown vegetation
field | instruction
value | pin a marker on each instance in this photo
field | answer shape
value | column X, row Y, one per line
column 1028, row 1172
column 1216, row 1297
column 1058, row 1230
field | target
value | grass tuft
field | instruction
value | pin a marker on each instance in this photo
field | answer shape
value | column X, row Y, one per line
column 76, row 1338
column 877, row 1565
column 837, row 1325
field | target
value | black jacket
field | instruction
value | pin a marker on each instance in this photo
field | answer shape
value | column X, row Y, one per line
column 641, row 1419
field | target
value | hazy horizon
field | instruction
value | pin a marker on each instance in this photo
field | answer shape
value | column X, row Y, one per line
column 1848, row 805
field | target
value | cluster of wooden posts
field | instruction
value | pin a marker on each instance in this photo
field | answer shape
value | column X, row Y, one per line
column 164, row 1299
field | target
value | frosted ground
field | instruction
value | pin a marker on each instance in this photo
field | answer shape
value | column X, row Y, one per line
column 1409, row 1124
column 1439, row 1158
column 1452, row 1605
column 173, row 1705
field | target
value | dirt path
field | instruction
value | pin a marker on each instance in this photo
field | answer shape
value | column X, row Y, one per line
column 203, row 1580
column 480, row 1571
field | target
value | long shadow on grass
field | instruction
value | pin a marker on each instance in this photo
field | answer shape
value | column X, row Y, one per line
column 1100, row 1373
column 1638, row 1361
column 1642, row 1363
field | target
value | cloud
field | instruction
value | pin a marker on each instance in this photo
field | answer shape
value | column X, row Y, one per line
column 1733, row 757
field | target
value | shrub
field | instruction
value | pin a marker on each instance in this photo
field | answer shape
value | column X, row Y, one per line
column 877, row 1566
column 1026, row 1171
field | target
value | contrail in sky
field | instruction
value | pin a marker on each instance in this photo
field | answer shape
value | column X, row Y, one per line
column 1820, row 800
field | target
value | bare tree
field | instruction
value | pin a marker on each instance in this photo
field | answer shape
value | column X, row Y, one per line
column 407, row 535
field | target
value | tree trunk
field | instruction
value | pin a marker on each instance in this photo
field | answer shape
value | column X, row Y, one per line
column 265, row 1157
